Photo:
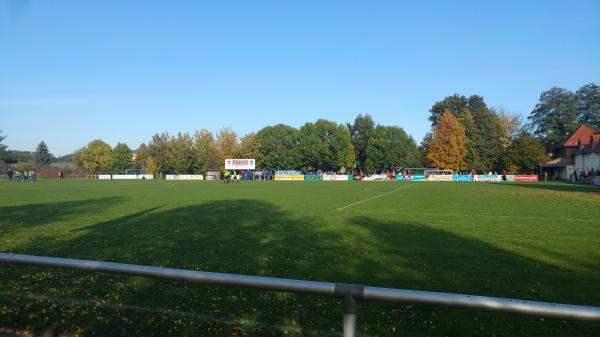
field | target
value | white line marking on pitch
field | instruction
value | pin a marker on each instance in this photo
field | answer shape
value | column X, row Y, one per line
column 372, row 198
column 470, row 215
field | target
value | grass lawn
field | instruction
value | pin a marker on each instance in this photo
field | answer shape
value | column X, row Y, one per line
column 530, row 241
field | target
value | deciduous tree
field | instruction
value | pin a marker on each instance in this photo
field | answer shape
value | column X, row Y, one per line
column 325, row 145
column 158, row 153
column 121, row 158
column 448, row 145
column 227, row 145
column 205, row 151
column 588, row 105
column 248, row 146
column 96, row 156
column 390, row 147
column 526, row 153
column 361, row 131
column 277, row 147
column 181, row 156
column 554, row 117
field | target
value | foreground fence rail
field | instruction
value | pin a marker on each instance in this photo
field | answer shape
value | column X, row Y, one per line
column 348, row 293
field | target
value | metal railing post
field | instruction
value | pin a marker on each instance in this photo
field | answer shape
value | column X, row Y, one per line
column 350, row 294
column 349, row 309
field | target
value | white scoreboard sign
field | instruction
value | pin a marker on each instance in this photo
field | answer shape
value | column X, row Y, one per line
column 240, row 164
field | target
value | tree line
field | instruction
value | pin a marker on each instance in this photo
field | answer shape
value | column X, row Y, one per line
column 466, row 134
column 322, row 145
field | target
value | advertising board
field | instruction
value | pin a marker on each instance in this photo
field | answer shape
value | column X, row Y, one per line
column 335, row 177
column 414, row 177
column 289, row 175
column 439, row 177
column 240, row 164
column 184, row 177
column 526, row 178
column 488, row 178
column 462, row 177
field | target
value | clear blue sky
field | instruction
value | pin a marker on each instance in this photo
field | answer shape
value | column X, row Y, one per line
column 72, row 71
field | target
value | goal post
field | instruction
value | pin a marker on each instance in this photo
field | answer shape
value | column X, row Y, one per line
column 136, row 171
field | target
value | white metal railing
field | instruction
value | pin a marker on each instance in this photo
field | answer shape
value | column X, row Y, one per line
column 348, row 293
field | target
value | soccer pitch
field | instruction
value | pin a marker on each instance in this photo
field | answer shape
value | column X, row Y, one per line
column 529, row 241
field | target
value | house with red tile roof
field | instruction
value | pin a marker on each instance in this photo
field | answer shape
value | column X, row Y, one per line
column 578, row 153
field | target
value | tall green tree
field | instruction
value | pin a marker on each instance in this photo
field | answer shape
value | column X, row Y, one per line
column 122, row 160
column 277, row 147
column 454, row 104
column 159, row 161
column 96, row 156
column 487, row 136
column 181, row 156
column 554, row 116
column 42, row 155
column 390, row 147
column 526, row 153
column 361, row 131
column 588, row 105
column 205, row 151
column 2, row 146
column 325, row 145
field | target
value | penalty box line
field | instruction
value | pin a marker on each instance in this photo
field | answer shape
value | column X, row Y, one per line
column 373, row 198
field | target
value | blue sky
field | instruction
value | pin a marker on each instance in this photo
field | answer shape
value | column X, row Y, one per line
column 73, row 71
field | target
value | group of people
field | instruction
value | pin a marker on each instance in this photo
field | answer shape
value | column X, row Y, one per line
column 25, row 175
column 584, row 175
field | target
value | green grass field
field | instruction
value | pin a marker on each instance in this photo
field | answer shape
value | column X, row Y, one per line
column 530, row 241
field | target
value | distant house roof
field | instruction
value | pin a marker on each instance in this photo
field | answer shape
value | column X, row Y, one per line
column 581, row 136
column 558, row 162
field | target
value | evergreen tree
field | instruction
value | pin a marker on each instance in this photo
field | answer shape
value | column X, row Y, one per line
column 42, row 155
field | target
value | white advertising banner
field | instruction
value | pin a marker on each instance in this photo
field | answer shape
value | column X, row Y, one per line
column 104, row 176
column 439, row 177
column 488, row 178
column 377, row 177
column 335, row 177
column 184, row 177
column 132, row 176
column 240, row 164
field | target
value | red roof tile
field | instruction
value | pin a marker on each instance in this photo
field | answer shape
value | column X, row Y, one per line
column 581, row 136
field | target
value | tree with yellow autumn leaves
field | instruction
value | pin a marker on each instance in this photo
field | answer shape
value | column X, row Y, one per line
column 447, row 147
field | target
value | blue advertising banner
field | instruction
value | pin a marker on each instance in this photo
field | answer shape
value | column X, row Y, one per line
column 414, row 177
column 462, row 177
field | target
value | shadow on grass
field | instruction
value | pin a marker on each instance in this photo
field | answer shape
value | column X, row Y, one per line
column 560, row 187
column 257, row 238
column 32, row 215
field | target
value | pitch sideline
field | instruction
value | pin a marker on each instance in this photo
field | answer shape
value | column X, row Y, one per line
column 373, row 198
